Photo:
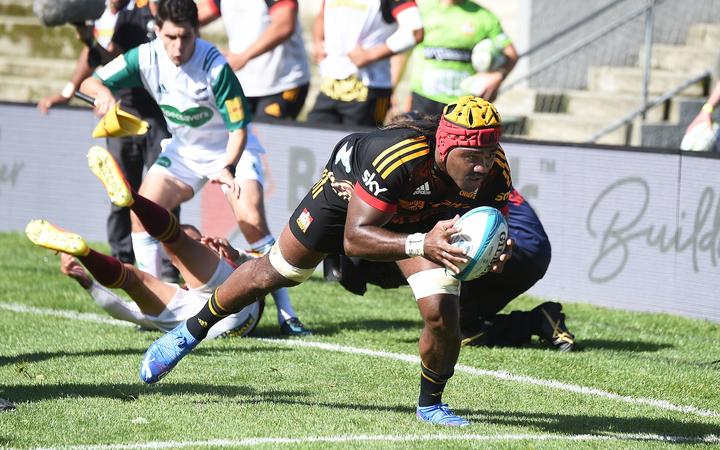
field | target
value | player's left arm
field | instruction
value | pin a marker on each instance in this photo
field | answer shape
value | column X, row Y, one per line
column 233, row 107
column 409, row 33
column 283, row 17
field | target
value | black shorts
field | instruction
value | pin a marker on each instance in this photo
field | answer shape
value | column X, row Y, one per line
column 370, row 112
column 425, row 105
column 283, row 105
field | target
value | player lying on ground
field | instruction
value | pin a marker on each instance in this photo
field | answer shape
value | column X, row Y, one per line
column 391, row 195
column 482, row 299
column 159, row 305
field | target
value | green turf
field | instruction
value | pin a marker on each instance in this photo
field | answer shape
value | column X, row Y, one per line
column 76, row 383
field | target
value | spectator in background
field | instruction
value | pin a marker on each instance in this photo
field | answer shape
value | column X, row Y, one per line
column 266, row 51
column 124, row 25
column 443, row 60
column 704, row 117
column 352, row 43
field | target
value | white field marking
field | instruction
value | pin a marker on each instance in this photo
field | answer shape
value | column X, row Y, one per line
column 502, row 375
column 63, row 313
column 249, row 442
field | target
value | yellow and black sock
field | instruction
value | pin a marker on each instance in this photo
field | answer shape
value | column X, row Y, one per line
column 209, row 315
column 432, row 385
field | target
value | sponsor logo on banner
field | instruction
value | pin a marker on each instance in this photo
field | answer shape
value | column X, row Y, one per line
column 192, row 117
column 304, row 220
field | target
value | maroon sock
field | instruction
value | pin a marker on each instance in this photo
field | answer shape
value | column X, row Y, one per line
column 158, row 221
column 108, row 271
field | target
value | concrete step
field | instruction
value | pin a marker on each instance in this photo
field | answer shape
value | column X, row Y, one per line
column 38, row 68
column 595, row 105
column 703, row 35
column 26, row 36
column 690, row 58
column 570, row 128
column 16, row 7
column 30, row 90
column 516, row 102
column 629, row 80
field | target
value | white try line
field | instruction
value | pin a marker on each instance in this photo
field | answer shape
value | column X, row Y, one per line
column 499, row 374
column 407, row 438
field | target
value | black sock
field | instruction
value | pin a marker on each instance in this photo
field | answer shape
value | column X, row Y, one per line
column 432, row 385
column 209, row 315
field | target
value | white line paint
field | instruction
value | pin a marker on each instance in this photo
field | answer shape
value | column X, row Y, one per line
column 63, row 313
column 502, row 375
column 249, row 442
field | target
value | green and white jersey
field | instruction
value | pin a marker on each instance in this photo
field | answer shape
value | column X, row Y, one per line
column 443, row 59
column 201, row 100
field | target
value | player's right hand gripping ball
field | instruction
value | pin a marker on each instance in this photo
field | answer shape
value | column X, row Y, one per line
column 483, row 235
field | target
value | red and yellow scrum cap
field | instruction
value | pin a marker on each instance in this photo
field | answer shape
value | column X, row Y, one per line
column 469, row 122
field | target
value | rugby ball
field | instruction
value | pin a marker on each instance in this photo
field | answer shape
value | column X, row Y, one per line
column 700, row 138
column 483, row 234
column 486, row 56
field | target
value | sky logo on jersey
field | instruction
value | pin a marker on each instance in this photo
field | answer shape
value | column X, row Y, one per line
column 234, row 109
column 192, row 117
column 371, row 184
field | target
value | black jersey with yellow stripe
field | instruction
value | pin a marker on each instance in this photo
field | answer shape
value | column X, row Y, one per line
column 394, row 171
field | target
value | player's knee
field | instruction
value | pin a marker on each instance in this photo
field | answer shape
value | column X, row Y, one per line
column 288, row 271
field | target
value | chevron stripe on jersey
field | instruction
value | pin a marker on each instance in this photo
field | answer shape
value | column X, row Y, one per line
column 501, row 161
column 400, row 153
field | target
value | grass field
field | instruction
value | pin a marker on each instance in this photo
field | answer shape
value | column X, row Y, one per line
column 638, row 380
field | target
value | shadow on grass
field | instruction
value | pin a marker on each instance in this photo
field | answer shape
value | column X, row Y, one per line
column 622, row 346
column 34, row 357
column 133, row 391
column 559, row 423
column 589, row 424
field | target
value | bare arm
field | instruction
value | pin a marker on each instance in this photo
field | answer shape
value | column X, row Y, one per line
column 282, row 26
column 235, row 146
column 207, row 11
column 318, row 37
column 104, row 99
column 364, row 237
column 82, row 70
column 705, row 114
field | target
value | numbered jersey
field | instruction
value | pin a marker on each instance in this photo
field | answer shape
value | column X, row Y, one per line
column 201, row 100
column 394, row 171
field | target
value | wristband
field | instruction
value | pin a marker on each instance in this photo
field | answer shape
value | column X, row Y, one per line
column 68, row 90
column 230, row 168
column 707, row 108
column 415, row 244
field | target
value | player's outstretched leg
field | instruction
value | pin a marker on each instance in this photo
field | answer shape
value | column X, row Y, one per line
column 103, row 165
column 44, row 234
column 165, row 353
column 440, row 414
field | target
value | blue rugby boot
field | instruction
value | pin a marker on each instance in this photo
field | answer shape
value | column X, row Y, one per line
column 293, row 327
column 440, row 414
column 165, row 353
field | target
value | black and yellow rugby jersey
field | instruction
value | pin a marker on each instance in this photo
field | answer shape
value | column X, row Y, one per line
column 394, row 171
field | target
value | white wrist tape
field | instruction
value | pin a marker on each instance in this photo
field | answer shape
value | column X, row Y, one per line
column 415, row 244
column 68, row 90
